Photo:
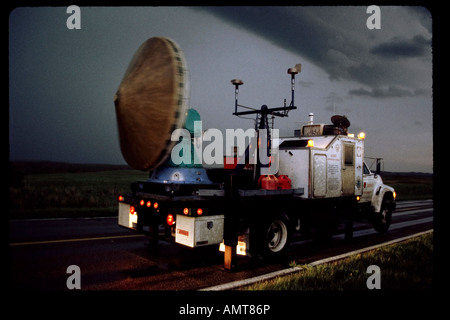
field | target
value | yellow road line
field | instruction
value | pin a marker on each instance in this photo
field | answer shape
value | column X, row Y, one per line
column 73, row 240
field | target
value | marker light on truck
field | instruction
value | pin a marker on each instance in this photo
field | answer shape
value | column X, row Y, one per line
column 149, row 204
column 120, row 198
column 142, row 202
column 132, row 210
column 186, row 211
column 310, row 143
column 199, row 211
column 155, row 205
column 170, row 220
column 362, row 135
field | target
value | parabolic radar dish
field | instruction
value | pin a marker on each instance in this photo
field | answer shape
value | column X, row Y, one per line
column 151, row 103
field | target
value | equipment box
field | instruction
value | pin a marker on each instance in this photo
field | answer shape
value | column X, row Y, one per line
column 127, row 217
column 199, row 231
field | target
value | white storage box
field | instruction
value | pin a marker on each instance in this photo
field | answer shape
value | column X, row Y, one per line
column 126, row 218
column 199, row 231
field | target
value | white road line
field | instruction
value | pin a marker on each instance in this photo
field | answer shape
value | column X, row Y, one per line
column 407, row 212
column 405, row 204
column 359, row 233
column 284, row 272
column 62, row 219
column 16, row 244
column 394, row 226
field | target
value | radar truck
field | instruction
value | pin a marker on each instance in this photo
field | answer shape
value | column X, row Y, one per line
column 262, row 194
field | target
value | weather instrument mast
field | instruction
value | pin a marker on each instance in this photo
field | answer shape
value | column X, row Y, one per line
column 262, row 122
column 277, row 111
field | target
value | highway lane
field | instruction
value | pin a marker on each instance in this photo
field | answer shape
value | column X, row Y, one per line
column 113, row 258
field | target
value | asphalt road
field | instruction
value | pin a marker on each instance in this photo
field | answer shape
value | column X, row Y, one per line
column 112, row 258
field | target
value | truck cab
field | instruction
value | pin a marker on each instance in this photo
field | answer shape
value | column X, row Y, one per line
column 378, row 199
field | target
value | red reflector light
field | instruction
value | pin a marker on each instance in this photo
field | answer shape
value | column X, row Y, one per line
column 132, row 210
column 170, row 220
column 199, row 211
column 120, row 198
column 142, row 202
column 186, row 211
column 149, row 204
column 155, row 205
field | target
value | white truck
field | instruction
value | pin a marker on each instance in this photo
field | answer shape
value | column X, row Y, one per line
column 322, row 179
column 313, row 180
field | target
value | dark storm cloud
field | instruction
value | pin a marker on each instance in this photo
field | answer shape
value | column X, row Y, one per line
column 295, row 29
column 398, row 48
column 389, row 92
column 337, row 40
column 62, row 82
column 423, row 16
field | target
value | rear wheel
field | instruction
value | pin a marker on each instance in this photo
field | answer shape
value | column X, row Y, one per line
column 271, row 238
column 277, row 236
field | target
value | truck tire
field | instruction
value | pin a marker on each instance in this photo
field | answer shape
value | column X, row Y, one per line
column 271, row 238
column 382, row 220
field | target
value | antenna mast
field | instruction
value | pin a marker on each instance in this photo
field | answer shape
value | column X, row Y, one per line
column 277, row 111
column 263, row 113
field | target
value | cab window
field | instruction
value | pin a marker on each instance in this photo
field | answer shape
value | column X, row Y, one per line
column 366, row 169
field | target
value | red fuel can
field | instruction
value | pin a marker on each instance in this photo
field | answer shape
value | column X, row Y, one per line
column 268, row 182
column 284, row 182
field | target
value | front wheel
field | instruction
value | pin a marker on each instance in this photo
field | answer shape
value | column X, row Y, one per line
column 382, row 220
column 271, row 238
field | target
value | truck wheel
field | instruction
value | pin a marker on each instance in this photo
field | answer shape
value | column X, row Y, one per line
column 271, row 238
column 382, row 220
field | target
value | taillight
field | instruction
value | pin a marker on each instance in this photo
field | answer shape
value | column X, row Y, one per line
column 132, row 210
column 170, row 220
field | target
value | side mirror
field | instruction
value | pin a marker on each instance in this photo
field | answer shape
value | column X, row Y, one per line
column 378, row 170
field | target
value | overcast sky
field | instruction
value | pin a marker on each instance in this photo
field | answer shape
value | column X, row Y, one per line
column 62, row 82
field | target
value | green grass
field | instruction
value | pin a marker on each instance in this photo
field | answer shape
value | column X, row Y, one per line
column 70, row 194
column 404, row 266
column 410, row 187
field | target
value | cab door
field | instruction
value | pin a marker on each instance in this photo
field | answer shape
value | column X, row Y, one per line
column 368, row 185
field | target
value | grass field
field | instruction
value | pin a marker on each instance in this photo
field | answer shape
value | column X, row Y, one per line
column 410, row 186
column 47, row 190
column 406, row 265
column 70, row 194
